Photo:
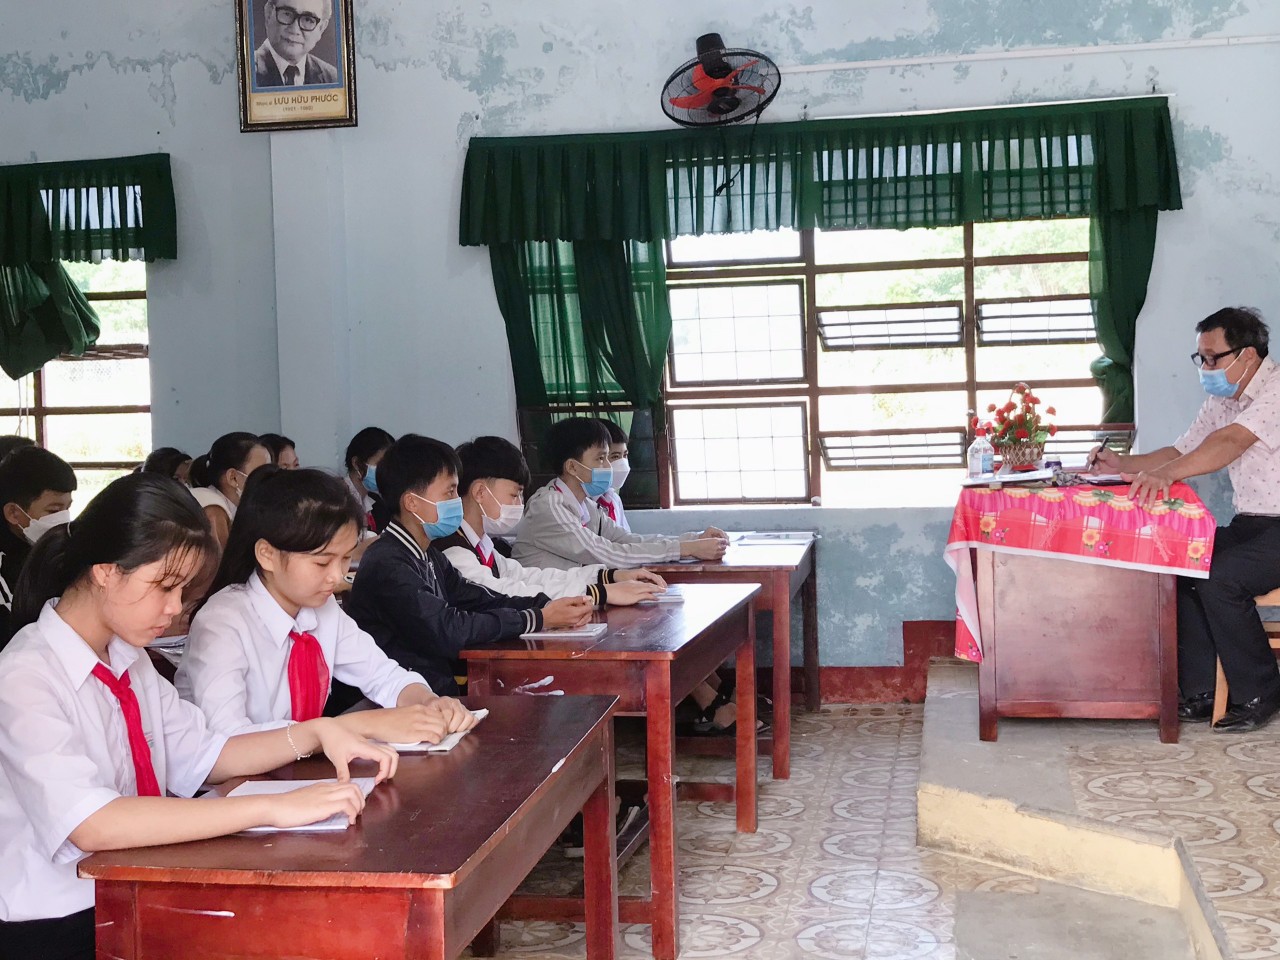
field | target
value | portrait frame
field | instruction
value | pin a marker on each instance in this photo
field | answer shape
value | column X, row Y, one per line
column 327, row 95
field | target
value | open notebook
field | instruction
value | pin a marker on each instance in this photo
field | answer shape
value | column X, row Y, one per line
column 445, row 745
column 259, row 788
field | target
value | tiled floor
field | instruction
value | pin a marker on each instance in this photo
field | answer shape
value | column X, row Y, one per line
column 833, row 871
column 1221, row 794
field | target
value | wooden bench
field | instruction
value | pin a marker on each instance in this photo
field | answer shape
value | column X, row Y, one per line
column 1272, row 626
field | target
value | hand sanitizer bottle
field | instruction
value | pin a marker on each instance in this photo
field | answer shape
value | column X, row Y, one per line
column 982, row 456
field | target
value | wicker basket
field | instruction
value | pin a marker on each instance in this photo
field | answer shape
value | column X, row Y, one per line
column 1019, row 456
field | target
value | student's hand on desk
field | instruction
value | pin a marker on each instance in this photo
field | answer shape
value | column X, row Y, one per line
column 648, row 576
column 307, row 805
column 633, row 591
column 415, row 723
column 456, row 717
column 715, row 533
column 704, row 548
column 566, row 612
column 1150, row 486
column 342, row 746
column 1102, row 459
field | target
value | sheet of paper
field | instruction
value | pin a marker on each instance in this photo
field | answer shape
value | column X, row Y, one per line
column 770, row 538
column 673, row 594
column 258, row 788
column 590, row 631
column 445, row 745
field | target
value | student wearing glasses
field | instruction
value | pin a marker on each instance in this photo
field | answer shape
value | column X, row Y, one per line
column 285, row 59
column 1238, row 428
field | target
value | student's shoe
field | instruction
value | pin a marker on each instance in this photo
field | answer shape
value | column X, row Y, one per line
column 1251, row 715
column 1197, row 708
column 572, row 846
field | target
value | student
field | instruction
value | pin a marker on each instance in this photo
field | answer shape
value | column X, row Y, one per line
column 218, row 478
column 92, row 740
column 493, row 477
column 619, row 462
column 411, row 599
column 10, row 442
column 35, row 496
column 265, row 647
column 169, row 462
column 564, row 527
column 284, row 452
column 364, row 453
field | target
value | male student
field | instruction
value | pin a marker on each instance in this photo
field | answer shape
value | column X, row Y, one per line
column 564, row 527
column 410, row 598
column 494, row 476
column 35, row 496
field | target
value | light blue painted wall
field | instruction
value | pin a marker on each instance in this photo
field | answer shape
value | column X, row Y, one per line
column 396, row 324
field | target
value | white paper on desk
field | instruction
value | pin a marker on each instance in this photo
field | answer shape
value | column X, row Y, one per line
column 673, row 594
column 445, row 745
column 589, row 632
column 773, row 539
column 1011, row 477
column 260, row 788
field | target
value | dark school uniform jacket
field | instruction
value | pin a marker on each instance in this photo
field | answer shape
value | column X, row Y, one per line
column 13, row 554
column 423, row 614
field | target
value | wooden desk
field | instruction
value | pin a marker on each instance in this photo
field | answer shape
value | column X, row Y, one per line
column 781, row 570
column 435, row 854
column 1062, row 638
column 651, row 658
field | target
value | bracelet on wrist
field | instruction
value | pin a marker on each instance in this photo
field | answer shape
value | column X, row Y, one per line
column 297, row 754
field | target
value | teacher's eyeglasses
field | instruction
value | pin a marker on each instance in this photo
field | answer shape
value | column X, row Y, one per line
column 1211, row 361
column 287, row 16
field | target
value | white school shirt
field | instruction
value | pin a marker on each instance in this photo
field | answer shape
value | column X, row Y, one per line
column 64, row 755
column 515, row 580
column 213, row 497
column 236, row 663
column 619, row 510
column 365, row 500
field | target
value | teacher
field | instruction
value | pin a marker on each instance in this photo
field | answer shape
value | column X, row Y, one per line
column 1238, row 427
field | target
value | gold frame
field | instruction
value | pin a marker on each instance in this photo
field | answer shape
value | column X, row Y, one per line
column 332, row 105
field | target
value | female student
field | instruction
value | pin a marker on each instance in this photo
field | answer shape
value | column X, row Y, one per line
column 364, row 453
column 218, row 478
column 169, row 462
column 92, row 739
column 620, row 463
column 266, row 646
column 284, row 452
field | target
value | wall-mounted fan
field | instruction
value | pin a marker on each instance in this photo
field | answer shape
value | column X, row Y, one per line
column 720, row 85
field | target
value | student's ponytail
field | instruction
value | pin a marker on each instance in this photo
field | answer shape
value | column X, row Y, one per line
column 229, row 452
column 199, row 472
column 139, row 519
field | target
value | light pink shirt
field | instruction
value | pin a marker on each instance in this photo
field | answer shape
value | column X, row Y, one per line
column 1255, row 474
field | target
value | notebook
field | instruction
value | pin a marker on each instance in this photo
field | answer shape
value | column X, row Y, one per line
column 589, row 632
column 445, row 745
column 259, row 788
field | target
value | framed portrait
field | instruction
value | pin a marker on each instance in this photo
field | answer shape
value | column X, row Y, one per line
column 296, row 64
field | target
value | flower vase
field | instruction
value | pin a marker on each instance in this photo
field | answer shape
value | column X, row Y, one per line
column 1020, row 456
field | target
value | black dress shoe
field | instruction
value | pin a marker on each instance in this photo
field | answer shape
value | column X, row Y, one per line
column 1197, row 708
column 1252, row 715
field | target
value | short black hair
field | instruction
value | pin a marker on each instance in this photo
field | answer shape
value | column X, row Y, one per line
column 366, row 444
column 1241, row 326
column 570, row 438
column 276, row 444
column 412, row 463
column 10, row 442
column 494, row 458
column 28, row 472
column 165, row 461
column 616, row 434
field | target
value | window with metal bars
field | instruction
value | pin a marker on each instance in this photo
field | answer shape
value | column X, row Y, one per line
column 843, row 365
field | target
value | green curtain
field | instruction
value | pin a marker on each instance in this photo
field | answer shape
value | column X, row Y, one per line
column 42, row 314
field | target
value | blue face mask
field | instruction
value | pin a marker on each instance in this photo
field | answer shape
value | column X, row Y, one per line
column 600, row 482
column 370, row 478
column 1215, row 382
column 448, row 518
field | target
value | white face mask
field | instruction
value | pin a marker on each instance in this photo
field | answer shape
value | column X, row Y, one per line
column 621, row 470
column 39, row 526
column 509, row 517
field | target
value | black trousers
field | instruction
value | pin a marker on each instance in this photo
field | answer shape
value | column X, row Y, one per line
column 63, row 938
column 1217, row 618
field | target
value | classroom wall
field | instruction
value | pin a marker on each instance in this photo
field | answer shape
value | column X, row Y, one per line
column 320, row 286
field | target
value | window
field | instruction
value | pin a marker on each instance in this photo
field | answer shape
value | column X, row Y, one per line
column 842, row 365
column 93, row 411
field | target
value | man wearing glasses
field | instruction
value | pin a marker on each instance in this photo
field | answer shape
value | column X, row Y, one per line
column 1238, row 427
column 285, row 58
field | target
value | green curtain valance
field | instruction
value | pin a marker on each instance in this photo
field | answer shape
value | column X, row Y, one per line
column 938, row 169
column 121, row 208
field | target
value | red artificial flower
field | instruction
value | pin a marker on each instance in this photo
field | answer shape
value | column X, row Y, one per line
column 1020, row 388
column 974, row 423
column 1050, row 411
column 1010, row 407
column 991, row 408
column 1022, row 435
column 1053, row 429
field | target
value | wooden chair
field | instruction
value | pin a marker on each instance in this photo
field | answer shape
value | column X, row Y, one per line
column 1272, row 626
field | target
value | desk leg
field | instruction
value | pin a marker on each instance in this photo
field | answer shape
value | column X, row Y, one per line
column 1167, row 638
column 660, row 763
column 600, row 867
column 116, row 920
column 745, row 791
column 812, row 664
column 781, row 588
